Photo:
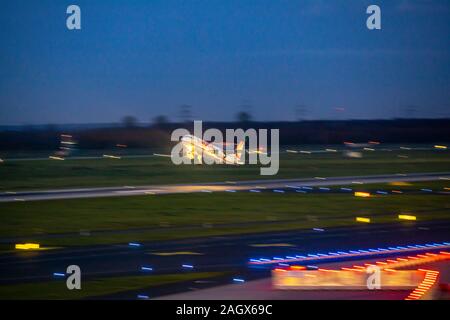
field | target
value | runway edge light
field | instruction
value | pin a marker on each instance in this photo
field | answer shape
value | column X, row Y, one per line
column 407, row 217
column 27, row 246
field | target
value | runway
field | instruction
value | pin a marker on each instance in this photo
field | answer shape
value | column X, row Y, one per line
column 227, row 254
column 214, row 187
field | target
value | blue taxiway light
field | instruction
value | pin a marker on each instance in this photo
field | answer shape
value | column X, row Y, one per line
column 346, row 189
column 230, row 190
column 238, row 280
column 254, row 190
column 187, row 266
column 381, row 192
column 355, row 252
column 426, row 190
column 146, row 268
column 279, row 191
column 142, row 296
column 324, row 189
column 134, row 244
column 59, row 274
column 318, row 229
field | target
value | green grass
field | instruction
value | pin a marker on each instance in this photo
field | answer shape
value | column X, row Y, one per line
column 47, row 174
column 206, row 214
column 57, row 290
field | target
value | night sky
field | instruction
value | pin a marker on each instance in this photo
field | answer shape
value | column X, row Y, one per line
column 146, row 58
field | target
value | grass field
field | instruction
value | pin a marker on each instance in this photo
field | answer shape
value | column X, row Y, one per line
column 48, row 174
column 154, row 217
column 57, row 290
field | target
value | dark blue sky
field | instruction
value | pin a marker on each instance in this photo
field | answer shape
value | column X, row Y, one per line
column 146, row 58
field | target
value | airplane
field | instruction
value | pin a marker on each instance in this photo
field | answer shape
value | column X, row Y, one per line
column 196, row 147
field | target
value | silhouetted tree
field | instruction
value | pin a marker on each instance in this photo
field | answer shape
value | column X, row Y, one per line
column 160, row 121
column 129, row 122
column 185, row 113
column 243, row 117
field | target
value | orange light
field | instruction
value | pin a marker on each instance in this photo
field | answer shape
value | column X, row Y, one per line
column 362, row 194
column 298, row 268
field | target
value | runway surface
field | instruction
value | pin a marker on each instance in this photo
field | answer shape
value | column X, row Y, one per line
column 228, row 254
column 213, row 187
column 262, row 289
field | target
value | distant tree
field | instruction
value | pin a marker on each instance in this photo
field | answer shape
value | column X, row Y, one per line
column 160, row 121
column 185, row 113
column 129, row 122
column 243, row 117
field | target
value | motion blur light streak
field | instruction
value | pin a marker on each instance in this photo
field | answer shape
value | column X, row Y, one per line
column 134, row 244
column 427, row 283
column 407, row 217
column 311, row 277
column 111, row 156
column 59, row 274
column 353, row 253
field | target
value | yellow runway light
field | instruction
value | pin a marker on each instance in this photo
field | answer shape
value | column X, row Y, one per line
column 27, row 246
column 440, row 147
column 55, row 158
column 362, row 194
column 407, row 217
column 361, row 219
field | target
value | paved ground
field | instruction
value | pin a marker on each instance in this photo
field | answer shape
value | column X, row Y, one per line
column 212, row 187
column 225, row 254
column 263, row 289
